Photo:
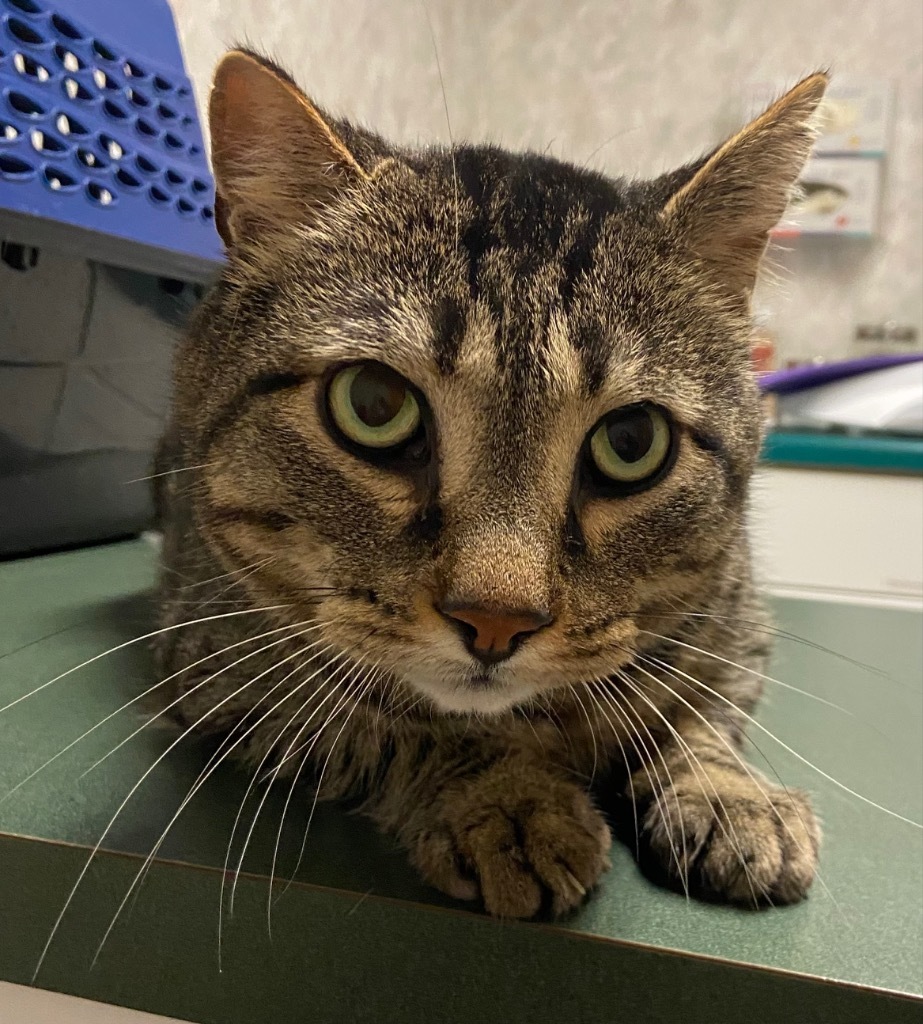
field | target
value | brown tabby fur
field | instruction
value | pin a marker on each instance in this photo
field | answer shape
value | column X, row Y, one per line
column 525, row 299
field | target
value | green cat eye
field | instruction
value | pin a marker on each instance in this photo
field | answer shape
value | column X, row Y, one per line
column 631, row 445
column 373, row 406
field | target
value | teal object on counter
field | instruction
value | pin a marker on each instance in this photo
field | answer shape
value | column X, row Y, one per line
column 862, row 452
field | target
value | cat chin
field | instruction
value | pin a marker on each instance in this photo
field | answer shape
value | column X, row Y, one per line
column 465, row 698
column 476, row 702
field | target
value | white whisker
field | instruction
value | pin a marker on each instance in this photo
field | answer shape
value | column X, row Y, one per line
column 137, row 640
column 253, row 781
column 334, row 687
column 243, row 571
column 611, row 698
column 766, row 629
column 743, row 765
column 86, row 867
column 357, row 700
column 631, row 786
column 352, row 671
column 168, row 472
column 684, row 874
column 749, row 671
column 693, row 761
column 448, row 120
column 697, row 683
column 216, row 760
column 198, row 686
column 140, row 697
column 586, row 715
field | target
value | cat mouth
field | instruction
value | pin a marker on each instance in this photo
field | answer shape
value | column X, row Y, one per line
column 456, row 687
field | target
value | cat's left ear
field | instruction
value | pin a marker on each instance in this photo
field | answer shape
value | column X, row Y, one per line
column 725, row 211
column 276, row 157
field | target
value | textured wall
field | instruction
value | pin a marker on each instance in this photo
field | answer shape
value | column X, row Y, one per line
column 624, row 85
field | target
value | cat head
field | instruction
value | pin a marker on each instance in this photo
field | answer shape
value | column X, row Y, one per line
column 475, row 412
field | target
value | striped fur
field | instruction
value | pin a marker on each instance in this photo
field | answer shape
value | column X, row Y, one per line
column 524, row 298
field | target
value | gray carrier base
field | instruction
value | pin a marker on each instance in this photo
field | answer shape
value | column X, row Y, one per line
column 85, row 361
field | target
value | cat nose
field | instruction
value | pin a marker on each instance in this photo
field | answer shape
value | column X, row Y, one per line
column 493, row 634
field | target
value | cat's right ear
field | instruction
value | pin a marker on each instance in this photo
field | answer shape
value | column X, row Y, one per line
column 276, row 159
column 726, row 209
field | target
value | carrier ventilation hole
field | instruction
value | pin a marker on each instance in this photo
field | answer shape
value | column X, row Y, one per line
column 25, row 105
column 24, row 33
column 146, row 165
column 112, row 147
column 43, row 143
column 100, row 194
column 26, row 65
column 12, row 167
column 70, row 60
column 26, row 6
column 127, row 178
column 90, row 159
column 102, row 51
column 68, row 125
column 58, row 180
column 75, row 91
column 65, row 27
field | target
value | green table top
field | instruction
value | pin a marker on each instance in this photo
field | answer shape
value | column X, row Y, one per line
column 357, row 937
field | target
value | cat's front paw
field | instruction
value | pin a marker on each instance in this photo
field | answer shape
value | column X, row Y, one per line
column 729, row 837
column 522, row 847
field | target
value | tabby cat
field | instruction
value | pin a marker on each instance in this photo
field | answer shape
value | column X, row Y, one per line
column 456, row 479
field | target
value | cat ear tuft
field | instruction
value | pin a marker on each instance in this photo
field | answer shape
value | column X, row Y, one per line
column 276, row 158
column 726, row 210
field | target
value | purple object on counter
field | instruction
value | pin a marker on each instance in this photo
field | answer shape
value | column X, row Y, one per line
column 799, row 378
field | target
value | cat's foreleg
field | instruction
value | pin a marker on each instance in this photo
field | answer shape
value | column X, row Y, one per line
column 511, row 831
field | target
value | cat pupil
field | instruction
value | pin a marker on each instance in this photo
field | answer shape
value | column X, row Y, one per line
column 631, row 437
column 377, row 397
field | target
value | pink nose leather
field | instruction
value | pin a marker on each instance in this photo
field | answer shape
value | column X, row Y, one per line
column 491, row 633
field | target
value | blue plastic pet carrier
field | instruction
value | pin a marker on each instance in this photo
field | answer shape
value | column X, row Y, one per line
column 107, row 235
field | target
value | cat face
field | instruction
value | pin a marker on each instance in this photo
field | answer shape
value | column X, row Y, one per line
column 477, row 414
